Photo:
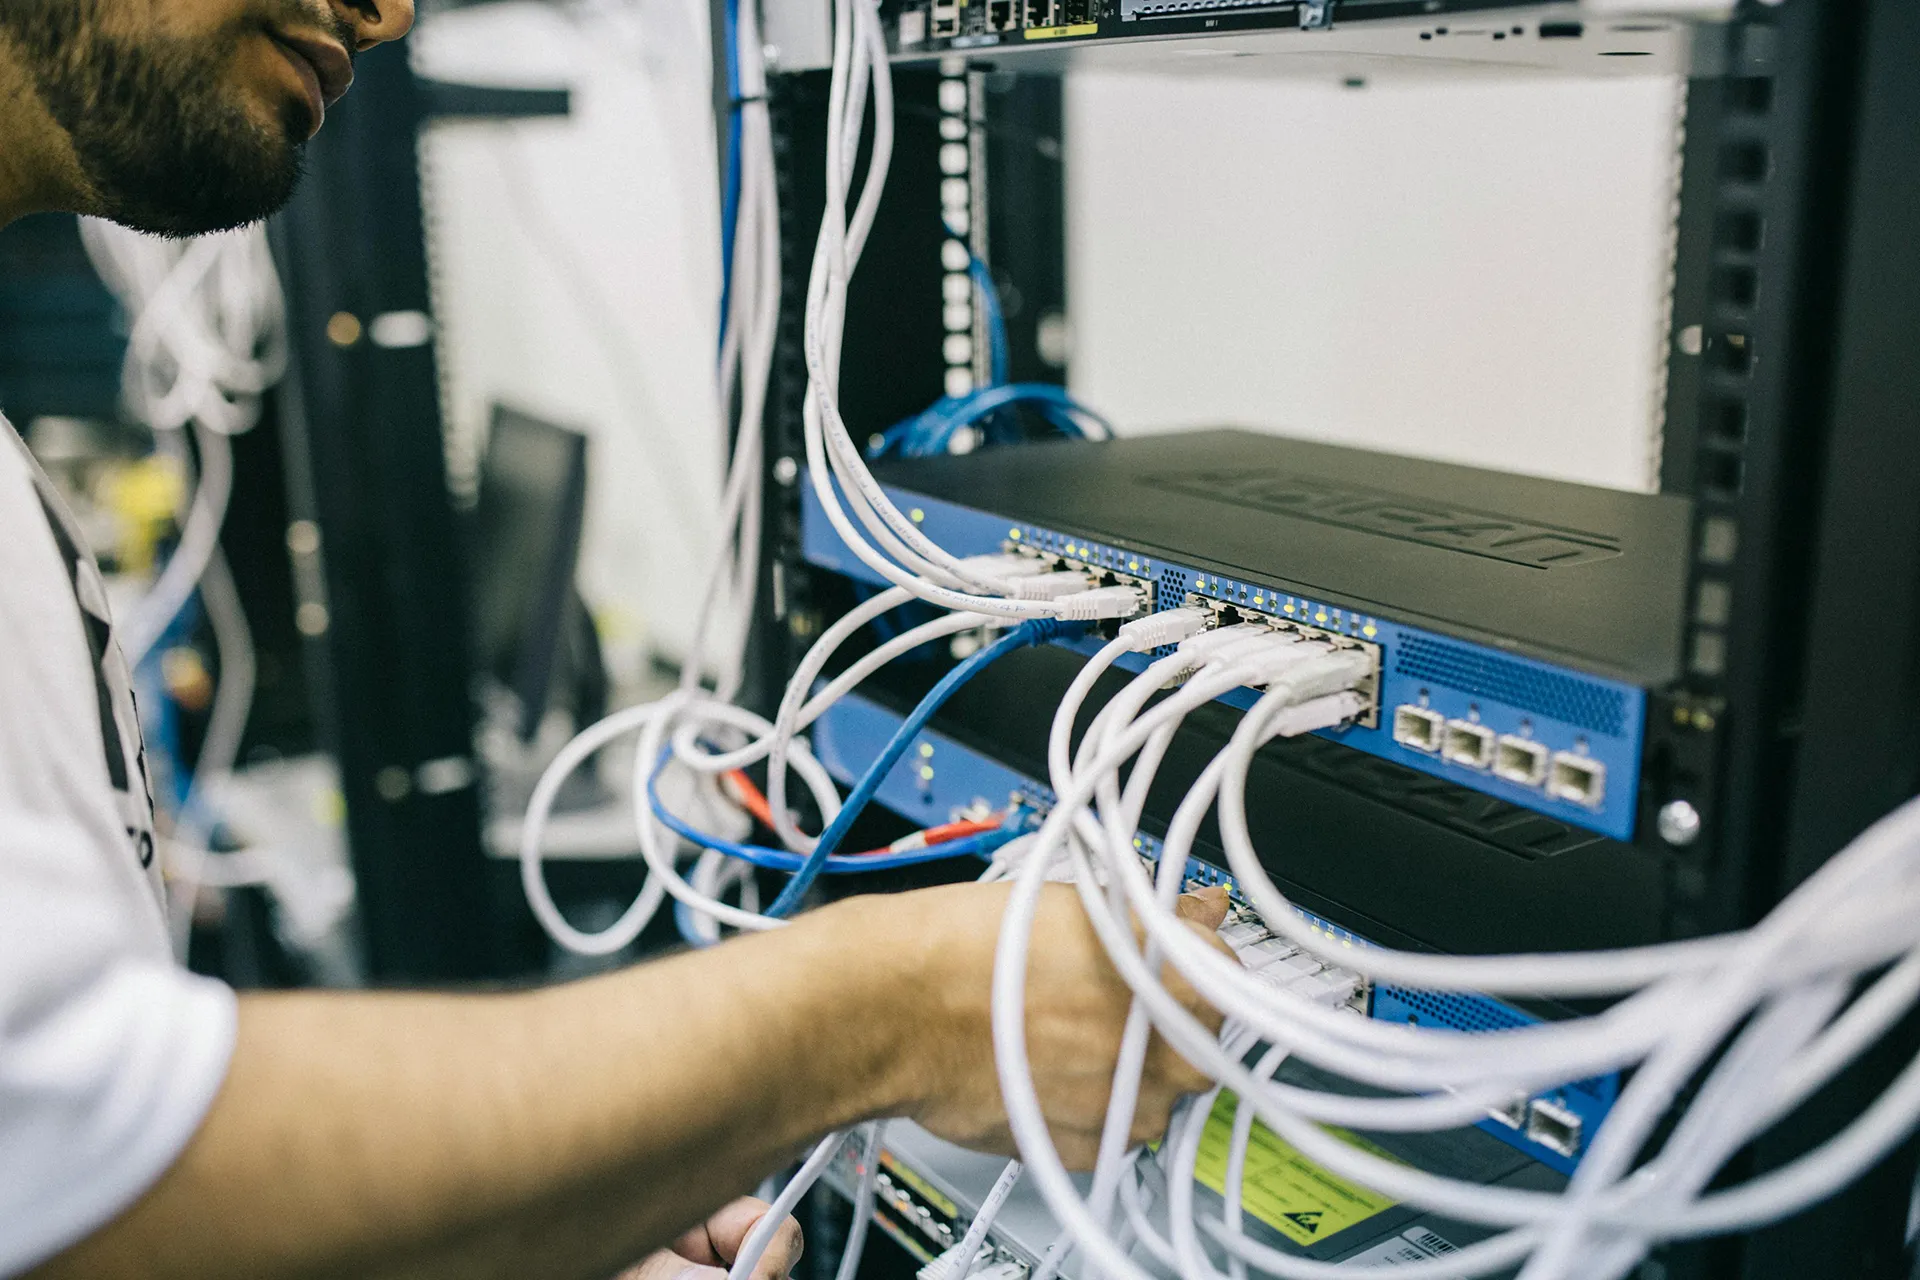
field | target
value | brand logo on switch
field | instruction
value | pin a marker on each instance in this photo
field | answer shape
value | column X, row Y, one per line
column 1395, row 515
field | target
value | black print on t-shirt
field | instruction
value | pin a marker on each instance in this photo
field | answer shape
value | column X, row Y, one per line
column 112, row 689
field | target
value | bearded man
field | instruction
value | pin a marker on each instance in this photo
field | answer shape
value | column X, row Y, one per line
column 155, row 1124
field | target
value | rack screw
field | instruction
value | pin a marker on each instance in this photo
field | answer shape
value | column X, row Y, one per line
column 1679, row 823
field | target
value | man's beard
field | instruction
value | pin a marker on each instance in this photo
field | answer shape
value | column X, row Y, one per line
column 158, row 129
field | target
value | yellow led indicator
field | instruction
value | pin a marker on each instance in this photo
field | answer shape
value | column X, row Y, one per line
column 1288, row 607
column 1014, row 534
column 917, row 515
column 1320, row 616
column 926, row 749
column 926, row 773
column 1256, row 598
column 1369, row 631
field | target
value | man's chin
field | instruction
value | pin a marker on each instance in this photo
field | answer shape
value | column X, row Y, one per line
column 227, row 196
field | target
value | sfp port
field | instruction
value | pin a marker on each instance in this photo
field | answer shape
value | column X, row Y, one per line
column 1520, row 760
column 1514, row 1114
column 1553, row 1127
column 1469, row 744
column 1581, row 779
column 1419, row 728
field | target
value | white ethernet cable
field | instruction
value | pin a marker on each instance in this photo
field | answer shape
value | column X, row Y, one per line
column 1791, row 974
column 957, row 1262
column 746, row 361
column 755, row 1245
column 208, row 340
column 863, row 1206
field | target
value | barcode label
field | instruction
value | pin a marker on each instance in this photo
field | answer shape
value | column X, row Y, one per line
column 1416, row 1244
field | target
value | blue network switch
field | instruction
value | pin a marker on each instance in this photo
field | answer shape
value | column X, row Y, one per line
column 1562, row 742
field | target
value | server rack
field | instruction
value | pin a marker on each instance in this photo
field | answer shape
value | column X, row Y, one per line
column 1788, row 423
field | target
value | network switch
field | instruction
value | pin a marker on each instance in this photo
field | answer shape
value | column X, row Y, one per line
column 1494, row 33
column 942, row 779
column 1517, row 624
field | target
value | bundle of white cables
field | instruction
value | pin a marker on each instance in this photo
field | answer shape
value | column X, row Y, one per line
column 1779, row 999
column 706, row 734
column 208, row 339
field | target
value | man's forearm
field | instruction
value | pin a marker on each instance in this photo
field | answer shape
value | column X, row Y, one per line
column 555, row 1133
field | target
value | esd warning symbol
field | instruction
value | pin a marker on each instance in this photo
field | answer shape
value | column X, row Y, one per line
column 1308, row 1220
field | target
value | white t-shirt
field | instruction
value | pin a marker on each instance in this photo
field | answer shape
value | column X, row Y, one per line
column 110, row 1053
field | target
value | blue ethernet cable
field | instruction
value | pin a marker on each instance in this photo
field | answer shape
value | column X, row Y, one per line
column 930, row 432
column 1000, row 358
column 844, row 864
column 1060, row 408
column 1032, row 632
column 983, row 845
column 730, row 197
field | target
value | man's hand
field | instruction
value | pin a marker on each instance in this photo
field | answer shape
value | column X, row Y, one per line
column 707, row 1251
column 1076, row 1011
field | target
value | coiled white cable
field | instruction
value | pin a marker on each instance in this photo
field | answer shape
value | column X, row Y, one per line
column 208, row 339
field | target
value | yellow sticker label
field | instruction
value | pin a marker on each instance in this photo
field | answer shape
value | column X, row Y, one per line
column 1283, row 1188
column 1056, row 33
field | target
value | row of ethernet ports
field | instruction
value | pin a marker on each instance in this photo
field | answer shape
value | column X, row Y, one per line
column 947, row 19
column 1564, row 775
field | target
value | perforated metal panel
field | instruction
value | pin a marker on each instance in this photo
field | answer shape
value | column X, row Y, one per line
column 1169, row 593
column 1548, row 693
column 1172, row 589
column 1461, row 1013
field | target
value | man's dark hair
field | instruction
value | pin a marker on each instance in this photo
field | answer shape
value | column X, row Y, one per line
column 157, row 132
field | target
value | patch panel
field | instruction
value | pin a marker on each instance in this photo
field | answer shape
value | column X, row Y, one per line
column 1552, row 1128
column 1588, row 725
column 923, row 1180
column 919, row 1217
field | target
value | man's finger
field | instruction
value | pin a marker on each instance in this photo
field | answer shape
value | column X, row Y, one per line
column 728, row 1230
column 668, row 1265
column 1208, row 906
